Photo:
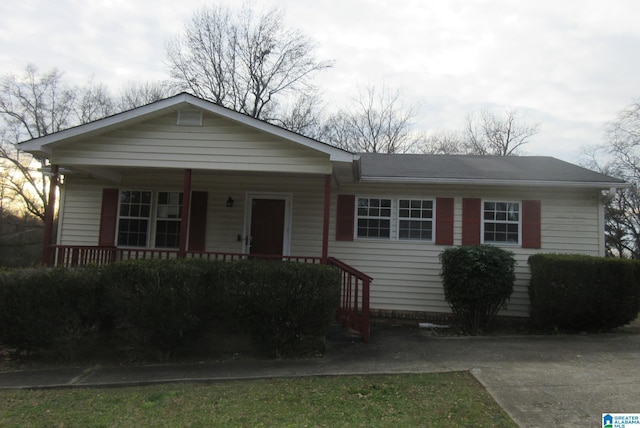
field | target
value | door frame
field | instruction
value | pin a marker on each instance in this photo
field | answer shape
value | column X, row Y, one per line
column 286, row 238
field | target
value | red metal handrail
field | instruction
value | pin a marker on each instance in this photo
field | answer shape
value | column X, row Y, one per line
column 353, row 312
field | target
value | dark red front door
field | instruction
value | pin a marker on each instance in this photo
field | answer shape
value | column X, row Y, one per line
column 267, row 226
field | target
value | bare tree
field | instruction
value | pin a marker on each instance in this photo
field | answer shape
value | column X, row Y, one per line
column 378, row 122
column 243, row 61
column 620, row 157
column 32, row 106
column 93, row 102
column 442, row 143
column 489, row 134
column 136, row 94
column 35, row 105
column 303, row 116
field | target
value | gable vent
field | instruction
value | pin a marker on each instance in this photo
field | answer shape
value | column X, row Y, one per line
column 189, row 117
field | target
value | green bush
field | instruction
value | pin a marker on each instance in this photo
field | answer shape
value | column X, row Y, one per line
column 477, row 280
column 289, row 307
column 583, row 293
column 157, row 308
column 156, row 305
column 52, row 310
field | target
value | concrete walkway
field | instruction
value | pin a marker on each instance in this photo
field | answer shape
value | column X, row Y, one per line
column 566, row 381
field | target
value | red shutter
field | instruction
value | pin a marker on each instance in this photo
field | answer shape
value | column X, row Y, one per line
column 471, row 218
column 444, row 221
column 198, row 221
column 531, row 224
column 344, row 217
column 108, row 217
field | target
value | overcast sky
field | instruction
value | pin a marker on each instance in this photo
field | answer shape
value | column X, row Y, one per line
column 569, row 64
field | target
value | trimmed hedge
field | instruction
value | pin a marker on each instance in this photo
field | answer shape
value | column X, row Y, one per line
column 583, row 293
column 52, row 309
column 477, row 281
column 153, row 309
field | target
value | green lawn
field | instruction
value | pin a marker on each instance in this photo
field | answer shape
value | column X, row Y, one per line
column 433, row 400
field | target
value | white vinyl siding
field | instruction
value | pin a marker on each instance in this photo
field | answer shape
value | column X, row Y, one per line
column 219, row 144
column 406, row 273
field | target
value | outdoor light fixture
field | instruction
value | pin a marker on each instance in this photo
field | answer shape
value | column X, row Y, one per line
column 229, row 202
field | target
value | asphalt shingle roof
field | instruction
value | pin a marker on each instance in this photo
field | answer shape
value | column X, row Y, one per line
column 443, row 168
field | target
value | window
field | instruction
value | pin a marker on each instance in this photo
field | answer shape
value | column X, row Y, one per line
column 140, row 218
column 374, row 218
column 501, row 222
column 135, row 213
column 168, row 219
column 415, row 219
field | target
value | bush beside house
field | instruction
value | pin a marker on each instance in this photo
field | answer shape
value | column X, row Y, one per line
column 583, row 293
column 478, row 281
column 153, row 309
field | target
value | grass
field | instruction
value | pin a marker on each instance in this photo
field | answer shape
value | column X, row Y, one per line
column 434, row 400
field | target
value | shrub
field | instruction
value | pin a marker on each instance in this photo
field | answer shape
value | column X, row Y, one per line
column 48, row 309
column 477, row 280
column 583, row 293
column 156, row 308
column 156, row 305
column 289, row 307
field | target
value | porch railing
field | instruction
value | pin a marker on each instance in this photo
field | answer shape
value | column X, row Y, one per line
column 353, row 311
column 354, row 298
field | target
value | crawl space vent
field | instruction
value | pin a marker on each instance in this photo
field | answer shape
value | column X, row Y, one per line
column 189, row 117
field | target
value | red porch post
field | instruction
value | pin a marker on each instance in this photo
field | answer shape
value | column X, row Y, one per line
column 48, row 216
column 325, row 225
column 186, row 196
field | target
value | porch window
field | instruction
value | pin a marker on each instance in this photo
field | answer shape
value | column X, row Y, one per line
column 374, row 218
column 415, row 219
column 501, row 222
column 135, row 213
column 168, row 219
column 142, row 218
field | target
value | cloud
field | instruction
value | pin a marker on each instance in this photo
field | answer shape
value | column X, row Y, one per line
column 569, row 64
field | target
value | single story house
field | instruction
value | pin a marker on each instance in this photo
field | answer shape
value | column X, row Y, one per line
column 186, row 177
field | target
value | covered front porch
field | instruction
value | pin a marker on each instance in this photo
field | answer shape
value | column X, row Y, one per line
column 230, row 217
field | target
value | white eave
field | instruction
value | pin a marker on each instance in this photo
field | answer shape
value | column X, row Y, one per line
column 42, row 145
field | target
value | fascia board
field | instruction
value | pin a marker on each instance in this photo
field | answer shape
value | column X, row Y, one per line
column 489, row 182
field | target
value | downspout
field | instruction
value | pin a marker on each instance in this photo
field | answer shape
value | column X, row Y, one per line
column 48, row 217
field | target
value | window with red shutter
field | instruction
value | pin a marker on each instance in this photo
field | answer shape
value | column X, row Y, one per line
column 471, row 218
column 108, row 217
column 345, row 212
column 531, row 224
column 444, row 221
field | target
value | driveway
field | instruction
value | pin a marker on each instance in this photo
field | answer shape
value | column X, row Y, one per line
column 564, row 380
column 541, row 381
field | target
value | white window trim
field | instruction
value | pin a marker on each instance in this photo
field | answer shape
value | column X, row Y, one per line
column 433, row 219
column 482, row 222
column 391, row 216
column 153, row 218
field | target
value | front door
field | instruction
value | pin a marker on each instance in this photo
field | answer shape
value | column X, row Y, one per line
column 268, row 226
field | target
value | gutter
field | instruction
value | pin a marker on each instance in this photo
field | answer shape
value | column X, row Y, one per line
column 497, row 182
